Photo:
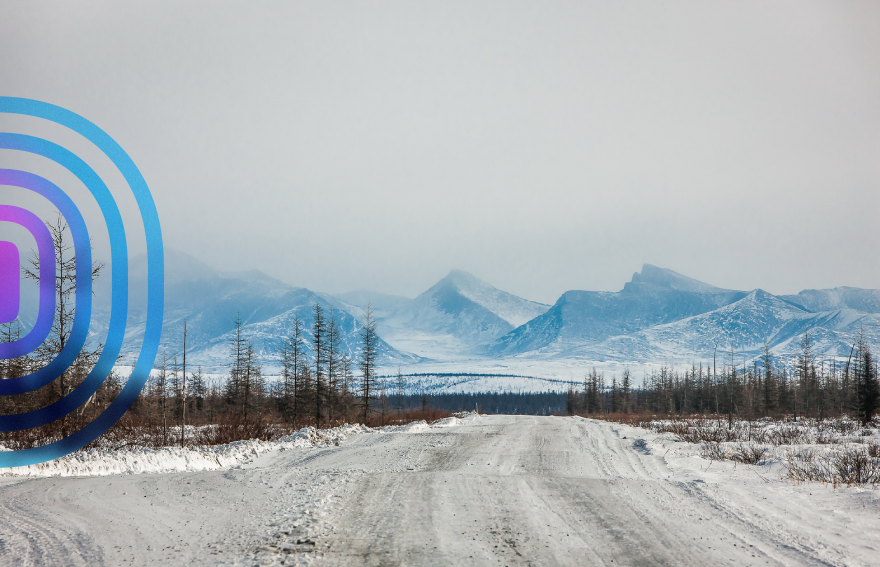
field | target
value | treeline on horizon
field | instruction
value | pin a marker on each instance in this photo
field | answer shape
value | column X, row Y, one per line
column 329, row 388
column 763, row 387
column 510, row 403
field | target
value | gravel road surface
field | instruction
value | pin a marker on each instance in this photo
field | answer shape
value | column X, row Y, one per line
column 490, row 490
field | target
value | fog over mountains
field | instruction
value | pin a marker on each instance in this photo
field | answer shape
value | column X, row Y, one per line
column 210, row 301
column 659, row 316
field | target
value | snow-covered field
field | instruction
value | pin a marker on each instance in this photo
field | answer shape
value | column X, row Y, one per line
column 485, row 490
column 531, row 374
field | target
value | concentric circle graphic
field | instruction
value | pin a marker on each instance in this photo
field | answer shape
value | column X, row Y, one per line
column 83, row 302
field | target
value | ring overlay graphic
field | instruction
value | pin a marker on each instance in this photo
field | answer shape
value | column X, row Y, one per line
column 9, row 282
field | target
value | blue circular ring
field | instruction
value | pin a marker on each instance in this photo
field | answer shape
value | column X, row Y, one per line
column 46, row 259
column 82, row 245
column 155, row 282
column 82, row 248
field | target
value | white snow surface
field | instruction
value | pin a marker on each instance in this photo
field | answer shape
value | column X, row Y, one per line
column 471, row 490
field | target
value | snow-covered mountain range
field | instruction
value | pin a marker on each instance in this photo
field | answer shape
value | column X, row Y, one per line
column 659, row 316
column 663, row 316
column 653, row 297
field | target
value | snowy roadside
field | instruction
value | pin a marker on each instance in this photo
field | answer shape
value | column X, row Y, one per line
column 463, row 418
column 807, row 515
column 138, row 460
column 510, row 490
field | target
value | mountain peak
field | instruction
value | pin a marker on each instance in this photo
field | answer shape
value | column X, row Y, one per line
column 667, row 278
column 460, row 278
column 465, row 306
column 258, row 277
column 180, row 266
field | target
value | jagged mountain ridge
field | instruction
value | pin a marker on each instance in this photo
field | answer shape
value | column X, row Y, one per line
column 741, row 327
column 589, row 324
column 653, row 297
column 658, row 315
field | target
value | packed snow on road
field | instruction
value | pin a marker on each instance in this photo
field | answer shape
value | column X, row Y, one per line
column 475, row 490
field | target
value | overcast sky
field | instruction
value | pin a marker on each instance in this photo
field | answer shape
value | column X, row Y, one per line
column 542, row 146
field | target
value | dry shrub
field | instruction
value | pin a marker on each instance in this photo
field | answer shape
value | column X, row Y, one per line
column 827, row 438
column 841, row 425
column 713, row 451
column 848, row 456
column 749, row 453
column 696, row 430
column 139, row 431
column 718, row 430
column 237, row 428
column 846, row 465
column 135, row 430
column 402, row 418
column 787, row 434
column 632, row 419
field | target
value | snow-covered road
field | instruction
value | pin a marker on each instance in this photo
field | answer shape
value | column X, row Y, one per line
column 489, row 490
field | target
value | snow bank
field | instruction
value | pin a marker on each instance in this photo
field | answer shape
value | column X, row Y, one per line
column 415, row 427
column 463, row 418
column 137, row 460
column 447, row 422
column 101, row 462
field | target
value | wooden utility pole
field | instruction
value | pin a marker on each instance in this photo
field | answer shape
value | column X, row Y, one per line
column 715, row 375
column 183, row 410
column 731, row 379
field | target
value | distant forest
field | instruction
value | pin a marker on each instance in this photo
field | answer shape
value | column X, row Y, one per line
column 543, row 403
column 809, row 387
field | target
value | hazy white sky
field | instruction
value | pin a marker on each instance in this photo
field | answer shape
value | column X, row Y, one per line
column 541, row 146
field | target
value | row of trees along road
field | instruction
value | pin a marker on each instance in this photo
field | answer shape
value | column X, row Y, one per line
column 317, row 384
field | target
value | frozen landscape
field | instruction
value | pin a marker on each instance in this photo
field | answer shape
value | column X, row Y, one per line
column 439, row 284
column 476, row 490
column 464, row 325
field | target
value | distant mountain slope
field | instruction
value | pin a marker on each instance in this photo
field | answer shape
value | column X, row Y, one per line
column 382, row 304
column 864, row 300
column 268, row 335
column 513, row 309
column 210, row 301
column 742, row 326
column 664, row 277
column 653, row 297
column 465, row 307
